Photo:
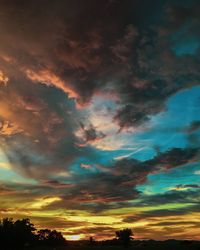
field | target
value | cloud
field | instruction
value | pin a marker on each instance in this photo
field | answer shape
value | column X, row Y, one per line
column 193, row 127
column 3, row 78
column 174, row 157
column 7, row 128
column 187, row 200
column 189, row 196
column 191, row 132
column 48, row 78
column 159, row 73
column 185, row 187
column 125, row 174
column 135, row 60
column 100, row 232
column 6, row 190
column 89, row 134
column 56, row 184
column 37, row 133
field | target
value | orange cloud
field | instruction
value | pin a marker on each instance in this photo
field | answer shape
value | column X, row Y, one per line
column 8, row 128
column 49, row 78
column 3, row 78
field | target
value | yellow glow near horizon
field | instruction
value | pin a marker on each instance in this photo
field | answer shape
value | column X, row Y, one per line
column 131, row 210
column 75, row 237
column 95, row 219
column 142, row 228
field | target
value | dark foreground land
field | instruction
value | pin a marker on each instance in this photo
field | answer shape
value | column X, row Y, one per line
column 137, row 245
column 22, row 235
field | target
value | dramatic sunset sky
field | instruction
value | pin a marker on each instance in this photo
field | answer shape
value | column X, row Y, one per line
column 100, row 116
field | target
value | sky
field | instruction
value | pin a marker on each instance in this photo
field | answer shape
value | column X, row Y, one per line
column 100, row 116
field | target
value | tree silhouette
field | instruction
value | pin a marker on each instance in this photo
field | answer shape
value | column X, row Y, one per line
column 124, row 236
column 24, row 232
column 6, row 231
column 52, row 238
column 43, row 234
column 20, row 233
column 92, row 240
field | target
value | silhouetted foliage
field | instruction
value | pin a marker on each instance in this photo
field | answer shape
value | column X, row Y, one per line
column 20, row 233
column 16, row 233
column 125, row 236
column 92, row 240
column 51, row 238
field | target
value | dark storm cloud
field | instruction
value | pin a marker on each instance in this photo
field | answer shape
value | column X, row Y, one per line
column 191, row 132
column 90, row 133
column 158, row 71
column 80, row 47
column 189, row 198
column 187, row 186
column 50, row 40
column 175, row 196
column 174, row 157
column 116, row 185
column 194, row 126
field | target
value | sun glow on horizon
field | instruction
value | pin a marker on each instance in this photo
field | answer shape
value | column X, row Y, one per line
column 75, row 237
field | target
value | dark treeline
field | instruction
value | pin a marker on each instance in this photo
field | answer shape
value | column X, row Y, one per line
column 22, row 233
